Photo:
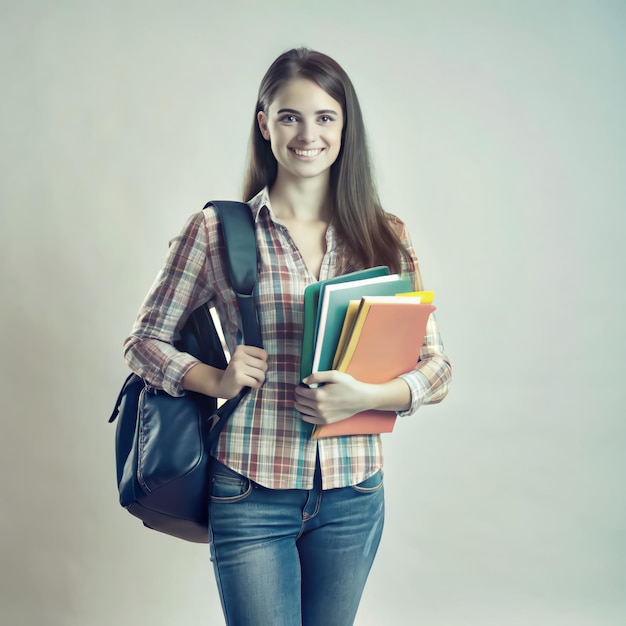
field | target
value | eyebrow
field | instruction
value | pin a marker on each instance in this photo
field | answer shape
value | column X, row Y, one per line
column 322, row 112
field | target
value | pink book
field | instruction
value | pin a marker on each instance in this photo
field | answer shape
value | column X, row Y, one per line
column 385, row 341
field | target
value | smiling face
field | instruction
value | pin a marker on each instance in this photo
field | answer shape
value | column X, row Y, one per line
column 303, row 125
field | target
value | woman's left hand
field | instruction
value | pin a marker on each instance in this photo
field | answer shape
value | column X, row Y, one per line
column 340, row 397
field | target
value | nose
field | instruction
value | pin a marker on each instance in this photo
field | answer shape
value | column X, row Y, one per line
column 307, row 131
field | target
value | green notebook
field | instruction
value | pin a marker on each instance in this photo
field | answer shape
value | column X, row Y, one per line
column 333, row 304
column 311, row 306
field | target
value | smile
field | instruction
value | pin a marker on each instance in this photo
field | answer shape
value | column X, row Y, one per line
column 306, row 153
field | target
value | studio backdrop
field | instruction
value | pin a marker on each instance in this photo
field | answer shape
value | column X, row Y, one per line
column 497, row 132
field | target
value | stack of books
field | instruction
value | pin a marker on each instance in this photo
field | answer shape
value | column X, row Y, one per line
column 370, row 325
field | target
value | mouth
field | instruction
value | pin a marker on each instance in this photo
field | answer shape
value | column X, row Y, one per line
column 307, row 154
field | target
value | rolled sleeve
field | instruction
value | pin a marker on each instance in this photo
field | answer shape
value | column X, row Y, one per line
column 418, row 385
column 429, row 381
column 181, row 286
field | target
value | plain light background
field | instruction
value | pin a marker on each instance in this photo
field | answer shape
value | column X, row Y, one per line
column 497, row 130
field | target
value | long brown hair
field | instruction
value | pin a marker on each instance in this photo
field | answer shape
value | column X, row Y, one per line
column 364, row 234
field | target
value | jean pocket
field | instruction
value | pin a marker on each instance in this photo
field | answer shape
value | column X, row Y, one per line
column 227, row 485
column 371, row 484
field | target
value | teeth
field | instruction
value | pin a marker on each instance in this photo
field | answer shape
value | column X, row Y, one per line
column 307, row 153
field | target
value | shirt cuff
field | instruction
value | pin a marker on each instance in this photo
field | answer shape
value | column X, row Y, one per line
column 418, row 385
column 175, row 372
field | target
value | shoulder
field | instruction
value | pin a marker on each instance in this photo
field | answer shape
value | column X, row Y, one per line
column 199, row 232
column 205, row 225
column 202, row 223
column 410, row 263
column 397, row 225
column 198, row 225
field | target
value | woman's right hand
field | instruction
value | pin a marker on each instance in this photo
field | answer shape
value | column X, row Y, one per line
column 246, row 368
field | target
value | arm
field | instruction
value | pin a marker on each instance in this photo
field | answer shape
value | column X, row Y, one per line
column 185, row 282
column 343, row 396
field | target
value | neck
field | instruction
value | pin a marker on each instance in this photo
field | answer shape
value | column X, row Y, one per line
column 305, row 199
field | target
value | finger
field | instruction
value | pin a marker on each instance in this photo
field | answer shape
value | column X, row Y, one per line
column 253, row 351
column 256, row 373
column 312, row 419
column 330, row 376
column 305, row 405
column 247, row 374
column 248, row 381
column 304, row 393
column 258, row 365
column 249, row 362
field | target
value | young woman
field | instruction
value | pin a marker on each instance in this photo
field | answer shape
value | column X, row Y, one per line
column 295, row 522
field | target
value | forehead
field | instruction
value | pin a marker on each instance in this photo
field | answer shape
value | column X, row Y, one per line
column 304, row 95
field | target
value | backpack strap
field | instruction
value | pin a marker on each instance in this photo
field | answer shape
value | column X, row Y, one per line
column 199, row 335
column 241, row 250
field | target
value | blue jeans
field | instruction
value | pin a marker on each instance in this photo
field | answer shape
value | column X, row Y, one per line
column 292, row 557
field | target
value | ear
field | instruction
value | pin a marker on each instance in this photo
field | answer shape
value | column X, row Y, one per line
column 262, row 120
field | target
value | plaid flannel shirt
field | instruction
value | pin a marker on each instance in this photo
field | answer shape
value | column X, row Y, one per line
column 265, row 439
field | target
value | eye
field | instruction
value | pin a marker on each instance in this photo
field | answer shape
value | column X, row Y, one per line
column 289, row 118
column 326, row 118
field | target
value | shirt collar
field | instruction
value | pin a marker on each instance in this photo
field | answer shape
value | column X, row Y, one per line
column 260, row 201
